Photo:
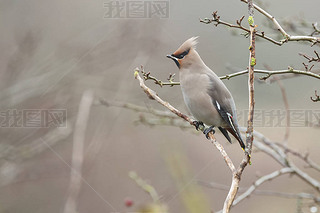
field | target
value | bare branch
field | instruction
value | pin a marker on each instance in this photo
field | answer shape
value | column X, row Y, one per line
column 267, row 75
column 147, row 76
column 136, row 108
column 286, row 36
column 262, row 192
column 307, row 178
column 249, row 133
column 290, row 70
column 260, row 181
column 216, row 20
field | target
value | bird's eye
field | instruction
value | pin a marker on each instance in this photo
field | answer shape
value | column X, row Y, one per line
column 182, row 55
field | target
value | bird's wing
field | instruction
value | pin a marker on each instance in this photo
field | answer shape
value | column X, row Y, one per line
column 223, row 102
column 232, row 126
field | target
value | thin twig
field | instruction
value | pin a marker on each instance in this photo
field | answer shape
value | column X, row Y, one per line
column 147, row 76
column 134, row 107
column 286, row 106
column 315, row 28
column 216, row 20
column 286, row 36
column 317, row 97
column 267, row 75
column 311, row 58
column 290, row 70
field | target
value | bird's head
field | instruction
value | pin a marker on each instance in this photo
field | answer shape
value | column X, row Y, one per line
column 186, row 55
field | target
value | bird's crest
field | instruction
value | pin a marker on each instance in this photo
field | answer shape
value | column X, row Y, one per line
column 187, row 45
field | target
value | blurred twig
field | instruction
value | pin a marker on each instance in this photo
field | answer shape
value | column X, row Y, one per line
column 109, row 103
column 145, row 186
column 286, row 106
column 77, row 153
column 263, row 192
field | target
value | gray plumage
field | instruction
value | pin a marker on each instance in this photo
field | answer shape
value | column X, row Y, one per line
column 205, row 95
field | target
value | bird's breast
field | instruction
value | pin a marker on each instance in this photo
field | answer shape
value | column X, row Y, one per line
column 195, row 93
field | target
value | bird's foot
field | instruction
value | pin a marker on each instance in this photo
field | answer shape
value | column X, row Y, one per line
column 208, row 130
column 199, row 125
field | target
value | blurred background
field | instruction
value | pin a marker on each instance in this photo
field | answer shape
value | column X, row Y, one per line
column 54, row 52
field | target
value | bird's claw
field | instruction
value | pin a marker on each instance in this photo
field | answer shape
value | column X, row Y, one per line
column 208, row 130
column 199, row 125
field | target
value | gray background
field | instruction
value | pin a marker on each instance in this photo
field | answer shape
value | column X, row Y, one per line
column 52, row 51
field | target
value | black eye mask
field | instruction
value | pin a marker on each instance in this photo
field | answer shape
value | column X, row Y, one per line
column 182, row 55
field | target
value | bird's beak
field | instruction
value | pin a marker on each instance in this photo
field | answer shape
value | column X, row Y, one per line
column 170, row 56
column 174, row 59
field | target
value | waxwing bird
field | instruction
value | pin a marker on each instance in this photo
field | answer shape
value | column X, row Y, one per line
column 205, row 95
